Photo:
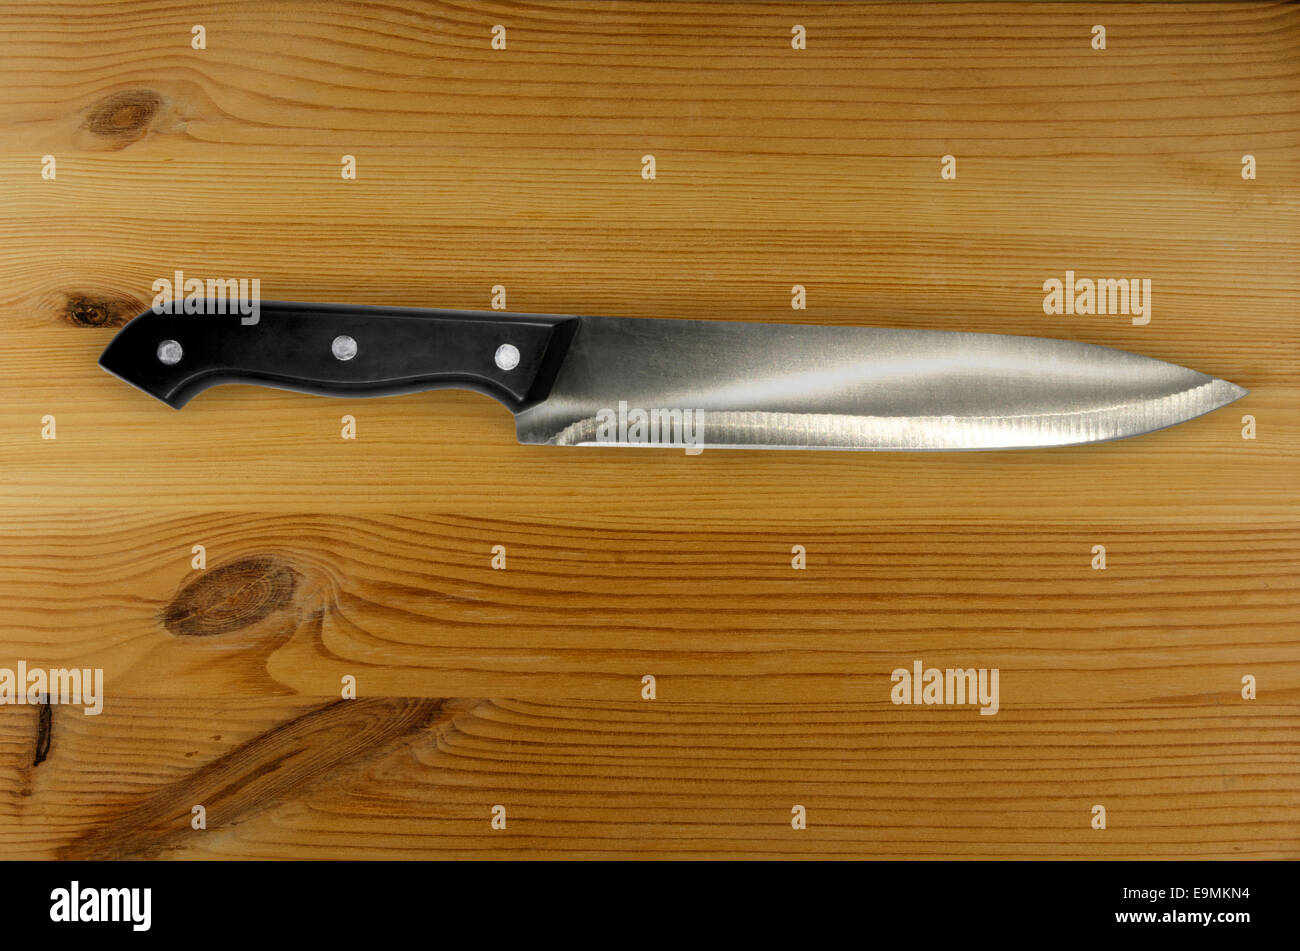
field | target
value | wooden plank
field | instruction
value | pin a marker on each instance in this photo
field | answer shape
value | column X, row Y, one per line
column 247, row 449
column 410, row 605
column 717, row 780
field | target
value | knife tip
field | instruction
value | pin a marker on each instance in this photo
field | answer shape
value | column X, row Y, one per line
column 1228, row 392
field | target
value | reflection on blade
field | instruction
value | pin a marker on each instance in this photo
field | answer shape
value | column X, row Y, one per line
column 787, row 386
column 757, row 430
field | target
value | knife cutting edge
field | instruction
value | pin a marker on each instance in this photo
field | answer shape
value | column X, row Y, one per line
column 580, row 381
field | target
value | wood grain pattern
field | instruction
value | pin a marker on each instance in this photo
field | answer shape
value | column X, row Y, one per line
column 411, row 606
column 582, row 780
column 522, row 687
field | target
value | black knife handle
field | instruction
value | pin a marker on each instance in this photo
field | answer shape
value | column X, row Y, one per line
column 305, row 347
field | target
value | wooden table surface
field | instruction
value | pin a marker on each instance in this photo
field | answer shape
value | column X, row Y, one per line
column 523, row 688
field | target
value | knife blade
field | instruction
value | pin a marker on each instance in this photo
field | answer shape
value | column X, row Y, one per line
column 581, row 381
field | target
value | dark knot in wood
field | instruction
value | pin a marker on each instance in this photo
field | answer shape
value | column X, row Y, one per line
column 86, row 310
column 44, row 729
column 124, row 117
column 231, row 597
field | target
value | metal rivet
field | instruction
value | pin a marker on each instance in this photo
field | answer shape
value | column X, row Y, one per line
column 343, row 347
column 507, row 356
column 170, row 352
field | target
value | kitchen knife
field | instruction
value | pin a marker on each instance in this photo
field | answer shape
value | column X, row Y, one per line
column 578, row 381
